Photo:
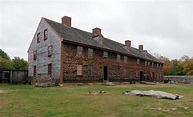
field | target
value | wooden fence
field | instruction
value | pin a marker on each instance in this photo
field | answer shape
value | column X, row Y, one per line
column 14, row 77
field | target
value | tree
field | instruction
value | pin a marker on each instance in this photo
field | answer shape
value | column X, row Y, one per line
column 175, row 68
column 188, row 67
column 19, row 64
column 4, row 55
column 166, row 65
column 5, row 64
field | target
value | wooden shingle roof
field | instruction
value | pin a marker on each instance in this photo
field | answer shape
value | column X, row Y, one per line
column 72, row 34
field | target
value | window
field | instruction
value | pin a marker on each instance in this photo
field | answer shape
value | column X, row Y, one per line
column 145, row 63
column 35, row 55
column 90, row 70
column 90, row 52
column 105, row 54
column 148, row 63
column 118, row 57
column 79, row 70
column 157, row 65
column 79, row 50
column 125, row 58
column 160, row 66
column 45, row 34
column 49, row 50
column 34, row 71
column 152, row 64
column 50, row 69
column 138, row 61
column 38, row 38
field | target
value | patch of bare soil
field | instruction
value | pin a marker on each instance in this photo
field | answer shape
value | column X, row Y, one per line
column 3, row 91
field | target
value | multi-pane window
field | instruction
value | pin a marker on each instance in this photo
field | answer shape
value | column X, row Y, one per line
column 50, row 69
column 105, row 54
column 118, row 57
column 160, row 66
column 90, row 52
column 38, row 38
column 79, row 50
column 125, row 58
column 90, row 70
column 138, row 61
column 152, row 64
column 34, row 71
column 148, row 63
column 145, row 63
column 157, row 65
column 45, row 34
column 49, row 50
column 35, row 55
column 79, row 70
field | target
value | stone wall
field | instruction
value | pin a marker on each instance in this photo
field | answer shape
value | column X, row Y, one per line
column 117, row 70
column 180, row 79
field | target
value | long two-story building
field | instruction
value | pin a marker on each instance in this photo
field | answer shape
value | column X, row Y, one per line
column 69, row 54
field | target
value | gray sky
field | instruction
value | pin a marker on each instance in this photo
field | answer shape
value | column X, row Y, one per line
column 162, row 26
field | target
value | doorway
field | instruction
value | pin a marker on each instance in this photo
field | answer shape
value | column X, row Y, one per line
column 105, row 73
column 141, row 75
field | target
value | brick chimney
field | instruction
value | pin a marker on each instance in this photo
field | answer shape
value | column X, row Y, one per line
column 140, row 47
column 128, row 43
column 66, row 21
column 96, row 31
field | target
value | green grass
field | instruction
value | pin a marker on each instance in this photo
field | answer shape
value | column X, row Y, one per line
column 74, row 101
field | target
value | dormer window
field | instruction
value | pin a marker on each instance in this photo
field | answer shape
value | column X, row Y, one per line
column 138, row 61
column 79, row 50
column 49, row 50
column 105, row 54
column 118, row 57
column 38, row 38
column 45, row 34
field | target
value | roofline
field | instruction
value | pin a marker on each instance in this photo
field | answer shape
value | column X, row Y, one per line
column 76, row 43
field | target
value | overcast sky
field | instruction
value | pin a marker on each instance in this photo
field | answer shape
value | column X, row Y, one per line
column 164, row 27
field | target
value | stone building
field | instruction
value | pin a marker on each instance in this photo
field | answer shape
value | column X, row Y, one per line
column 70, row 54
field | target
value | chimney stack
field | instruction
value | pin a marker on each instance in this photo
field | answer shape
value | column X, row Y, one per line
column 96, row 31
column 128, row 43
column 140, row 47
column 66, row 21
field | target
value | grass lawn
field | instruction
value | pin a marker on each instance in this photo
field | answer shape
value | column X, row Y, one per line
column 74, row 101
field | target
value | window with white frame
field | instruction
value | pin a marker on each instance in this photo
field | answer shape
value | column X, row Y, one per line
column 79, row 50
column 118, row 57
column 152, row 64
column 138, row 61
column 125, row 58
column 105, row 54
column 79, row 70
column 90, row 52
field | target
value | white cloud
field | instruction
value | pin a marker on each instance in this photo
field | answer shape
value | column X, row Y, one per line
column 164, row 27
